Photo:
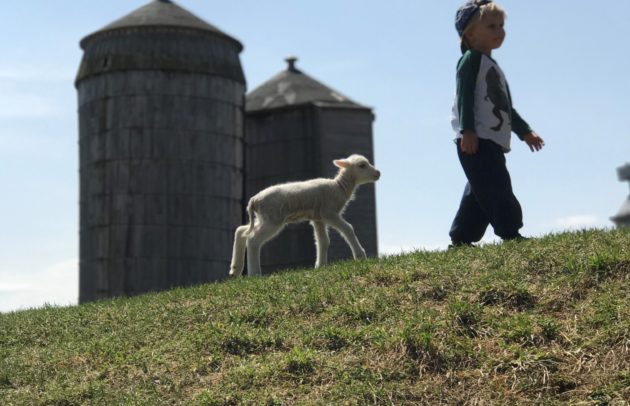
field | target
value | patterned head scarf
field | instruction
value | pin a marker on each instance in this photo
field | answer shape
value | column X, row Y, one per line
column 466, row 12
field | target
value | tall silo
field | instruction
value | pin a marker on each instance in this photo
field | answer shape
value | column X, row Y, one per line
column 161, row 96
column 295, row 127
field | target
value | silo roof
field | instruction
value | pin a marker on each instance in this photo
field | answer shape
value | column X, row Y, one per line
column 292, row 87
column 160, row 13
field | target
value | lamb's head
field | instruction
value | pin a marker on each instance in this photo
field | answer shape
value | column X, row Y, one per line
column 359, row 168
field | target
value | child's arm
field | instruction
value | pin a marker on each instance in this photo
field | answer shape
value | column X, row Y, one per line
column 467, row 71
column 519, row 126
column 524, row 131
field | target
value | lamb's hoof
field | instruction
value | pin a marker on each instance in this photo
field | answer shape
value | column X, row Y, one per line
column 233, row 273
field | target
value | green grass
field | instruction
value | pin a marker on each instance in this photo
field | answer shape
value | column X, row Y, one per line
column 545, row 321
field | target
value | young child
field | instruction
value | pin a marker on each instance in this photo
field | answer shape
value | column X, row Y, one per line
column 483, row 118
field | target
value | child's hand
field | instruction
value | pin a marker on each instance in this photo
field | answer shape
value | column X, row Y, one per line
column 470, row 142
column 533, row 141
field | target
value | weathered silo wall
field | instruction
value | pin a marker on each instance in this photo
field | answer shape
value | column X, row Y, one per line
column 161, row 141
column 295, row 128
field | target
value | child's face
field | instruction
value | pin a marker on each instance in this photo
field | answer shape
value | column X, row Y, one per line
column 487, row 34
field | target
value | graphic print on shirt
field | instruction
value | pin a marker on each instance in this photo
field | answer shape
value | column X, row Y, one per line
column 497, row 96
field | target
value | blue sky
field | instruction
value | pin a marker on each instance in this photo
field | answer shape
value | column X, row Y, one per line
column 566, row 61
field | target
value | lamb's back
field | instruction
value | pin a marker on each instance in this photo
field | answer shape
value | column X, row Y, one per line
column 297, row 201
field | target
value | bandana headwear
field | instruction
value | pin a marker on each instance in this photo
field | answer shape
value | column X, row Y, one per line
column 466, row 12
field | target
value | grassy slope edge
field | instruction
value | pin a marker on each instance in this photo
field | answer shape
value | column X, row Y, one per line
column 544, row 321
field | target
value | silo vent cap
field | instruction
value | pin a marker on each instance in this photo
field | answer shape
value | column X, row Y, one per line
column 291, row 60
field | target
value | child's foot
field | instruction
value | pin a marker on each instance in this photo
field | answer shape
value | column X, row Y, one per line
column 459, row 244
column 517, row 238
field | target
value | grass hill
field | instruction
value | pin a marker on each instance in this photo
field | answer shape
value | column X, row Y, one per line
column 545, row 321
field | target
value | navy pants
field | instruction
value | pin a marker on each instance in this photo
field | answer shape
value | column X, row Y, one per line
column 488, row 197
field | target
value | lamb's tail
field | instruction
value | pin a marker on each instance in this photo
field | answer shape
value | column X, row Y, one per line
column 251, row 208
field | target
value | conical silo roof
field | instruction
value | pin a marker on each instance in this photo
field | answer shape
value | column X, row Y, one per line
column 161, row 36
column 292, row 87
column 160, row 13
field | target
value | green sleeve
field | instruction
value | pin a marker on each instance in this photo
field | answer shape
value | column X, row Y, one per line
column 467, row 72
column 519, row 125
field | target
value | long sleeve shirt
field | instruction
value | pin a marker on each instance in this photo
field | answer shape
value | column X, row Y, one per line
column 483, row 102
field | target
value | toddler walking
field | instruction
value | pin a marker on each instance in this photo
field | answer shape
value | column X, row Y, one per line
column 483, row 119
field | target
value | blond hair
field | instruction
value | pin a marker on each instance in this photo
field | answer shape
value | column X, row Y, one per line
column 487, row 10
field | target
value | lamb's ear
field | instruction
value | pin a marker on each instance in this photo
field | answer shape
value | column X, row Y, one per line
column 341, row 163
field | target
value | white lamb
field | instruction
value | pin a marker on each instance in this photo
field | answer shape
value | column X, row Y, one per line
column 321, row 201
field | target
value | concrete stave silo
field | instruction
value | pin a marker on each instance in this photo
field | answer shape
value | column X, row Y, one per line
column 161, row 120
column 295, row 127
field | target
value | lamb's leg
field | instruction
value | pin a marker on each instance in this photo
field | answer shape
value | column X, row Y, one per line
column 348, row 234
column 238, row 252
column 264, row 232
column 322, row 242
